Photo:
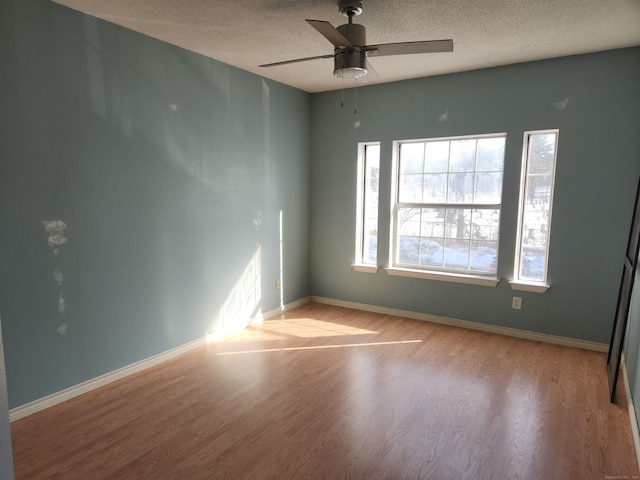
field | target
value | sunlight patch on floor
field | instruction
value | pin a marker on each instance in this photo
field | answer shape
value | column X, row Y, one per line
column 317, row 347
column 309, row 328
column 250, row 334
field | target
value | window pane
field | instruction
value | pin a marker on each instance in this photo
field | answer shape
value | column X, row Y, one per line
column 485, row 224
column 432, row 224
column 534, row 230
column 368, row 216
column 455, row 173
column 411, row 188
column 409, row 221
column 538, row 191
column 463, row 154
column 408, row 250
column 370, row 251
column 456, row 254
column 490, row 154
column 436, row 157
column 460, row 188
column 411, row 158
column 532, row 265
column 435, row 188
column 431, row 252
column 457, row 223
column 541, row 153
column 409, row 230
column 488, row 188
column 535, row 208
column 484, row 256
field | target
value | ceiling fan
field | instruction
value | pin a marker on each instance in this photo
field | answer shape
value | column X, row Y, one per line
column 351, row 49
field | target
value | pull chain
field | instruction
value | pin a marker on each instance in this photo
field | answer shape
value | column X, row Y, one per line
column 355, row 97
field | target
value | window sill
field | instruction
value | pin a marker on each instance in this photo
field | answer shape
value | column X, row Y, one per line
column 444, row 277
column 529, row 287
column 359, row 267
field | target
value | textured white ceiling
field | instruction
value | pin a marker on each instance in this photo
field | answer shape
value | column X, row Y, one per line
column 486, row 33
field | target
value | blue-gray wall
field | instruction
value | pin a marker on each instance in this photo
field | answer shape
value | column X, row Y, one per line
column 170, row 172
column 597, row 170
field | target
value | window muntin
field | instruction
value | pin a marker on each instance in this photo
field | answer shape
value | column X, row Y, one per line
column 536, row 200
column 367, row 204
column 447, row 207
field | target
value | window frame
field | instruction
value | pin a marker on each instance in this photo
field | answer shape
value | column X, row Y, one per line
column 360, row 264
column 443, row 274
column 519, row 283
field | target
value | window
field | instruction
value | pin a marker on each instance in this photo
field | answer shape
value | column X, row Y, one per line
column 367, row 207
column 536, row 199
column 447, row 205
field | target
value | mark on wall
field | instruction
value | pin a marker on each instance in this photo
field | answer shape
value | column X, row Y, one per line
column 257, row 220
column 61, row 303
column 55, row 234
column 54, row 229
column 443, row 117
column 562, row 104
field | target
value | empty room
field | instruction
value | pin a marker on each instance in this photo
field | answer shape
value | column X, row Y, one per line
column 318, row 239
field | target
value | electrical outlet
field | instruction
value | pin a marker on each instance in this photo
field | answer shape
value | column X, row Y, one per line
column 277, row 284
column 516, row 303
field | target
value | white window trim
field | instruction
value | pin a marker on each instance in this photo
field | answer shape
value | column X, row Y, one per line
column 444, row 276
column 529, row 286
column 365, row 268
column 517, row 283
column 447, row 276
column 358, row 265
column 395, row 179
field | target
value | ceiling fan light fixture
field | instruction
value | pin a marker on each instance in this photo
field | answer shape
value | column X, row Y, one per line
column 350, row 64
column 350, row 72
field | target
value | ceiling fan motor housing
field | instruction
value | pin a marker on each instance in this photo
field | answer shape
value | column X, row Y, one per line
column 355, row 33
column 350, row 62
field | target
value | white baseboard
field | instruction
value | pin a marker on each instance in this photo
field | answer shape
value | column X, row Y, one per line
column 632, row 410
column 84, row 387
column 296, row 304
column 511, row 332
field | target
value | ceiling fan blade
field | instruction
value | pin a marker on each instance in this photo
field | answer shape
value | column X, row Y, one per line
column 330, row 32
column 405, row 48
column 371, row 72
column 286, row 62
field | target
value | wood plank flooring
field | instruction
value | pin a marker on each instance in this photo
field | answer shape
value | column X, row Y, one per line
column 332, row 393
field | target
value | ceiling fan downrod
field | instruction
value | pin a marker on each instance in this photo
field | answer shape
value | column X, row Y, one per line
column 350, row 62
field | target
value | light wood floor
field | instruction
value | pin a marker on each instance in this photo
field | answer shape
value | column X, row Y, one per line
column 333, row 393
